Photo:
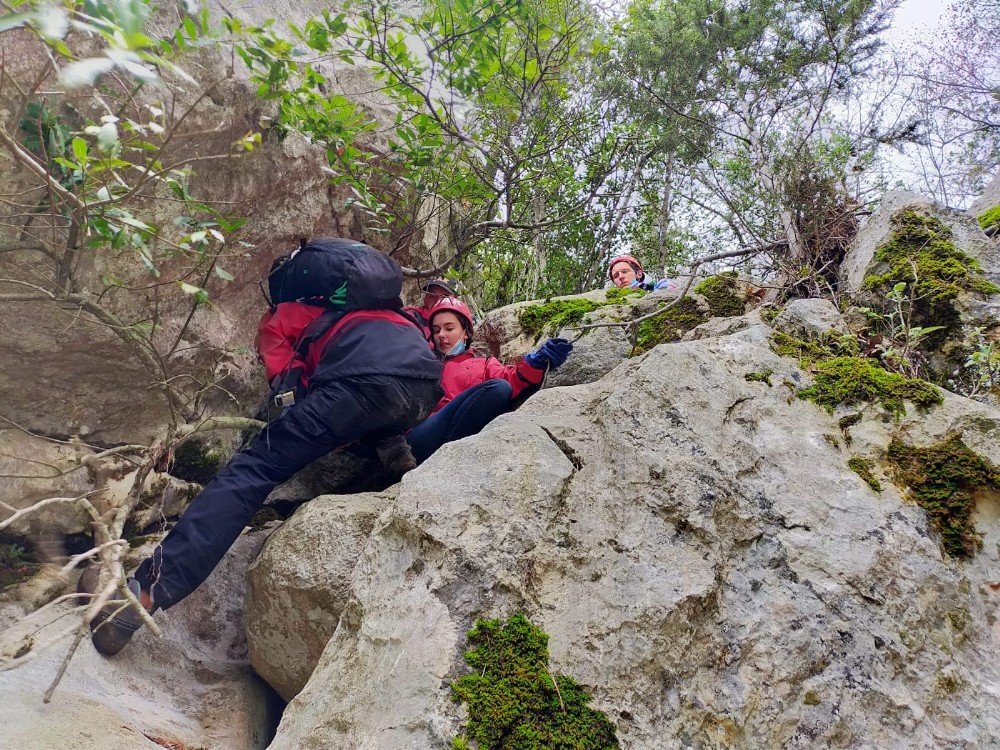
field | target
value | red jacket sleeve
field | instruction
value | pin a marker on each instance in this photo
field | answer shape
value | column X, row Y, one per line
column 520, row 375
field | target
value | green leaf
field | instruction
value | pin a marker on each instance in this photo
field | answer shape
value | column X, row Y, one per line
column 80, row 150
column 133, row 222
column 14, row 20
column 223, row 274
column 200, row 295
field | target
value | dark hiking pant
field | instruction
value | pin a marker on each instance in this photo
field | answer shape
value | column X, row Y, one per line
column 329, row 417
column 466, row 414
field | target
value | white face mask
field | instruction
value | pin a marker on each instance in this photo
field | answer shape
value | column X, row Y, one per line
column 457, row 349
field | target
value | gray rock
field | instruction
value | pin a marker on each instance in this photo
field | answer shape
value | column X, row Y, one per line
column 989, row 198
column 715, row 327
column 298, row 586
column 967, row 235
column 810, row 318
column 596, row 351
column 707, row 566
column 192, row 687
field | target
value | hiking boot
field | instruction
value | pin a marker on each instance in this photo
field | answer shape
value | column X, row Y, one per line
column 395, row 456
column 113, row 627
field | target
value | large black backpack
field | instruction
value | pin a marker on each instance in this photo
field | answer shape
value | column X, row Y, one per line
column 337, row 274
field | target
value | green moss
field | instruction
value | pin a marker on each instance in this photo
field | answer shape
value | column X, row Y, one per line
column 760, row 376
column 810, row 351
column 16, row 562
column 722, row 292
column 616, row 296
column 920, row 251
column 943, row 479
column 849, row 420
column 853, row 380
column 811, row 698
column 770, row 312
column 668, row 326
column 197, row 460
column 550, row 317
column 942, row 270
column 990, row 218
column 863, row 468
column 512, row 700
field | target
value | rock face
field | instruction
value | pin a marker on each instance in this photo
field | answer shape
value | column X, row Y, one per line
column 810, row 318
column 989, row 198
column 193, row 687
column 596, row 351
column 966, row 233
column 707, row 566
column 298, row 586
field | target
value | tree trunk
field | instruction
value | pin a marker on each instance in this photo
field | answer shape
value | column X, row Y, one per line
column 663, row 224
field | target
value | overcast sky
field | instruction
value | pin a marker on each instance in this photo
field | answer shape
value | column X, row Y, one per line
column 916, row 19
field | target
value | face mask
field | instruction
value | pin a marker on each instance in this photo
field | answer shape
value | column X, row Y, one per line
column 457, row 349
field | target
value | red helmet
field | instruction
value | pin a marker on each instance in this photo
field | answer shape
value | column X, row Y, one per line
column 627, row 259
column 454, row 305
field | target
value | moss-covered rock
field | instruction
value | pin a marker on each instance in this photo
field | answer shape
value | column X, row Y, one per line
column 515, row 703
column 990, row 218
column 810, row 351
column 943, row 479
column 863, row 468
column 920, row 251
column 616, row 296
column 668, row 326
column 921, row 254
column 549, row 317
column 759, row 376
column 722, row 292
column 853, row 380
column 197, row 460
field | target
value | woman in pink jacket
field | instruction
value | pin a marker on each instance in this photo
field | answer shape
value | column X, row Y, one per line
column 476, row 389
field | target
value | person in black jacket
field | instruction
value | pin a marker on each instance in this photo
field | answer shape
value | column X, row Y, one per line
column 370, row 375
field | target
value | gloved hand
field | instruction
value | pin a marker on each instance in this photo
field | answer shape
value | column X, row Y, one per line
column 553, row 353
column 664, row 284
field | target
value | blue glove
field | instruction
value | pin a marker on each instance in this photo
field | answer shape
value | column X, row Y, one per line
column 552, row 353
column 664, row 284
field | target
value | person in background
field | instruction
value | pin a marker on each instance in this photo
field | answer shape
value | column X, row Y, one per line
column 626, row 272
column 434, row 292
column 476, row 389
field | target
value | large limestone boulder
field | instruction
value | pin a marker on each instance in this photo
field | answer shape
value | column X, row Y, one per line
column 298, row 586
column 707, row 566
column 966, row 234
column 962, row 308
column 192, row 688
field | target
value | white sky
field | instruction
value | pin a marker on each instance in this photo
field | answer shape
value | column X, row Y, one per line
column 915, row 19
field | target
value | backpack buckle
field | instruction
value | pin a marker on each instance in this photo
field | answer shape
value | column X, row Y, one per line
column 287, row 398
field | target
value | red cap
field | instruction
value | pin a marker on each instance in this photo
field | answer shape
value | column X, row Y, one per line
column 627, row 259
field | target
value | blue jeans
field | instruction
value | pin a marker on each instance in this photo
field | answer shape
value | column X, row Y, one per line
column 466, row 414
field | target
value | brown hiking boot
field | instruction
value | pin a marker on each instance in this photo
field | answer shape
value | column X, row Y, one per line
column 113, row 627
column 395, row 456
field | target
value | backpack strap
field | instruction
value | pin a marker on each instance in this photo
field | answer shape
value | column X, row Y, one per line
column 312, row 332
